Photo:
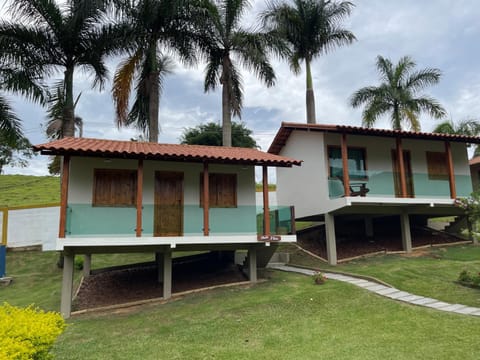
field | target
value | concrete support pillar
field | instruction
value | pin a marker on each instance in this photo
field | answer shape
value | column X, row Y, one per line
column 167, row 275
column 159, row 262
column 87, row 265
column 252, row 264
column 406, row 235
column 369, row 226
column 330, row 239
column 67, row 285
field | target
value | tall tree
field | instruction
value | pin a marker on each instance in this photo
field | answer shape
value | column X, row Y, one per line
column 211, row 134
column 157, row 27
column 469, row 127
column 311, row 28
column 397, row 94
column 12, row 139
column 50, row 36
column 227, row 46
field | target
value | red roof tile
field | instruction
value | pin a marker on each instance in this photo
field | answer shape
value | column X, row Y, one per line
column 146, row 150
column 286, row 129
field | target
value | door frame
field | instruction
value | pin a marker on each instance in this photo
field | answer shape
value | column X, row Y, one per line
column 407, row 161
column 180, row 175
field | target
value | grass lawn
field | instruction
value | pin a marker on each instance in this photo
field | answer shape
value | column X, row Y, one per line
column 433, row 274
column 287, row 317
column 19, row 190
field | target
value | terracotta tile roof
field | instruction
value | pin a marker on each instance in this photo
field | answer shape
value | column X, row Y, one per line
column 286, row 129
column 173, row 152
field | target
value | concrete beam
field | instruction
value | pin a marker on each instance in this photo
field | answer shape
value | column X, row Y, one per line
column 406, row 234
column 252, row 264
column 167, row 274
column 87, row 265
column 330, row 239
column 67, row 285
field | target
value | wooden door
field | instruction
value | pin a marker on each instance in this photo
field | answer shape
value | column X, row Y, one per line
column 168, row 212
column 408, row 174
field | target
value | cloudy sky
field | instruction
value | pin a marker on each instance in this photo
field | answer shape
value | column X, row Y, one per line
column 443, row 34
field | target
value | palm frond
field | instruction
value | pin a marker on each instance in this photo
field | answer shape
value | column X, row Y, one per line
column 10, row 126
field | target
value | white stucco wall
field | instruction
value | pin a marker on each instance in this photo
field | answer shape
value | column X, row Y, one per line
column 303, row 186
column 221, row 219
column 306, row 187
column 35, row 226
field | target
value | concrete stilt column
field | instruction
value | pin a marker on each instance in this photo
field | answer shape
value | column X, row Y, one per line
column 159, row 262
column 252, row 264
column 406, row 235
column 87, row 265
column 331, row 239
column 369, row 226
column 67, row 285
column 167, row 274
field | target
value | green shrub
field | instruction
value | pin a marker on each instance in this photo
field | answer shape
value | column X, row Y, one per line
column 78, row 263
column 319, row 279
column 28, row 333
column 468, row 279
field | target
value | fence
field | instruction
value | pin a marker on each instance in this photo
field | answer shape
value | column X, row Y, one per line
column 25, row 226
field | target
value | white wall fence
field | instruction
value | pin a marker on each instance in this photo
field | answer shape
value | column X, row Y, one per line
column 30, row 226
column 38, row 225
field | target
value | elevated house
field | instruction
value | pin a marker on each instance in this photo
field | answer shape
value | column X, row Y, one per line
column 123, row 196
column 352, row 173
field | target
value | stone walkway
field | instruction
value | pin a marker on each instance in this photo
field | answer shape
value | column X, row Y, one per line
column 387, row 291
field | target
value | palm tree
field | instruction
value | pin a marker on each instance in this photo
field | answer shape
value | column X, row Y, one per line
column 51, row 37
column 311, row 28
column 158, row 26
column 228, row 45
column 397, row 94
column 469, row 127
column 56, row 106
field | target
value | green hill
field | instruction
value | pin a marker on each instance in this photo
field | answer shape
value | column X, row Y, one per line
column 19, row 190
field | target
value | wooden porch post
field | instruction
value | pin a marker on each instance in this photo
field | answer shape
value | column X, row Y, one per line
column 139, row 197
column 266, row 210
column 451, row 173
column 346, row 177
column 206, row 199
column 64, row 195
column 401, row 165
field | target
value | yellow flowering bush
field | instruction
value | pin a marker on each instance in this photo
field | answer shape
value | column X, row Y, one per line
column 28, row 333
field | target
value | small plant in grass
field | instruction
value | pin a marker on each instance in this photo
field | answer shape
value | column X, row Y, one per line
column 78, row 263
column 319, row 279
column 468, row 279
column 28, row 333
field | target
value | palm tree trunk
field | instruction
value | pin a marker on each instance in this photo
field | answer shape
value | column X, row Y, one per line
column 68, row 123
column 397, row 123
column 153, row 105
column 310, row 97
column 226, row 112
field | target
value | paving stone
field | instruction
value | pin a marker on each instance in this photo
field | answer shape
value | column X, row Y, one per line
column 397, row 294
column 410, row 298
column 358, row 281
column 438, row 305
column 386, row 291
column 376, row 287
column 467, row 310
column 338, row 277
column 476, row 313
column 453, row 307
column 366, row 284
column 423, row 301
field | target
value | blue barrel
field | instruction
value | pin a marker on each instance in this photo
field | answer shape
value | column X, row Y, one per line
column 3, row 260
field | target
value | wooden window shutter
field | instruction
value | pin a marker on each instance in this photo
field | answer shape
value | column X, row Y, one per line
column 112, row 187
column 437, row 165
column 222, row 190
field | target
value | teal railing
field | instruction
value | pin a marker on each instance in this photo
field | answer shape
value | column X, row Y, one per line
column 382, row 184
column 88, row 220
